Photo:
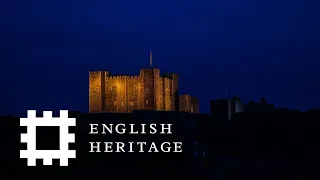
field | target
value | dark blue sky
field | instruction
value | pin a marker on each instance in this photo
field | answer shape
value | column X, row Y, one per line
column 254, row 48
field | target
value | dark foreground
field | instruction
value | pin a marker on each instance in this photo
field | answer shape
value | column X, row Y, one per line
column 278, row 145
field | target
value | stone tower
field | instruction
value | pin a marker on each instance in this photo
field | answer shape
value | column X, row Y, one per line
column 147, row 91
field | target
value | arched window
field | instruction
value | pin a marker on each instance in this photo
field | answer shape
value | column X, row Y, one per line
column 135, row 87
column 110, row 88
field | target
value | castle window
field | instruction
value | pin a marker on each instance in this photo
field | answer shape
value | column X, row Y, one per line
column 147, row 90
column 110, row 88
column 146, row 102
column 135, row 87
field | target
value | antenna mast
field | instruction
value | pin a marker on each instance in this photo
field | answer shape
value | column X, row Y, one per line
column 150, row 58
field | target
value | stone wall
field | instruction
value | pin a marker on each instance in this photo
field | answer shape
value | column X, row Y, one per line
column 111, row 92
column 184, row 103
column 188, row 103
column 167, row 87
column 133, row 93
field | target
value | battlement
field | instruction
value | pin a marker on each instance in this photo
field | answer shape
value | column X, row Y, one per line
column 112, row 77
column 95, row 72
column 134, row 77
column 98, row 73
column 122, row 77
column 149, row 69
column 169, row 75
column 166, row 78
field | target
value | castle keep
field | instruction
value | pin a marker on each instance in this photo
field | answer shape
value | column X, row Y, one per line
column 147, row 91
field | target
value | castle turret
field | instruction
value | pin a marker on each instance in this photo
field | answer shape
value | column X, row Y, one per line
column 150, row 80
column 97, row 91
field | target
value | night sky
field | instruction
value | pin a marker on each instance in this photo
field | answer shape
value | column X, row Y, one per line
column 253, row 48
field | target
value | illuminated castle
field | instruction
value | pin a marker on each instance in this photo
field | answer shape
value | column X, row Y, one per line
column 147, row 91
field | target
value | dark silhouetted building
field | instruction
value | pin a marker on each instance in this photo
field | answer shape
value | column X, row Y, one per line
column 224, row 109
column 261, row 107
